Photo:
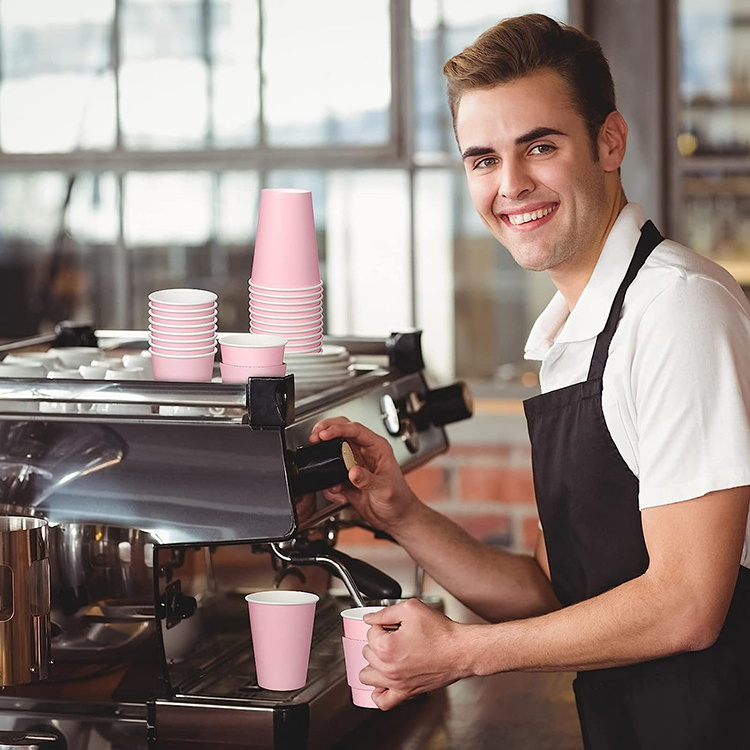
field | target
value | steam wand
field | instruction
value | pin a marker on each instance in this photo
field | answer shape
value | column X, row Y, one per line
column 326, row 561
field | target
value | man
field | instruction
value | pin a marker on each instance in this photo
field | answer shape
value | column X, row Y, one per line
column 640, row 438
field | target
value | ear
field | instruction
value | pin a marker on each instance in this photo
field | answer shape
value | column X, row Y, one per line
column 612, row 141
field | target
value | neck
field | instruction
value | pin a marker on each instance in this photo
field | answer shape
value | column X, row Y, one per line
column 571, row 280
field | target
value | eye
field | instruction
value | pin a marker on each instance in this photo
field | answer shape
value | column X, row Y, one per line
column 542, row 149
column 485, row 162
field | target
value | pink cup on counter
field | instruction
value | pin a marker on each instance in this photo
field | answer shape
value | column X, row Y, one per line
column 252, row 350
column 281, row 624
column 286, row 249
column 239, row 374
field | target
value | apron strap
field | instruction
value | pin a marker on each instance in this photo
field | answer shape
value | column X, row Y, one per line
column 649, row 239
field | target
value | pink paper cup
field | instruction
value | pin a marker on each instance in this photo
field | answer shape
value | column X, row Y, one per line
column 284, row 305
column 355, row 663
column 286, row 249
column 354, row 626
column 281, row 295
column 237, row 374
column 252, row 350
column 184, row 369
column 168, row 309
column 281, row 624
column 190, row 339
column 206, row 329
column 296, row 290
column 182, row 297
column 184, row 351
column 188, row 318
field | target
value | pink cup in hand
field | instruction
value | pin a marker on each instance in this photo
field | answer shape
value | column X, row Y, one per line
column 281, row 623
column 354, row 625
column 286, row 249
column 355, row 663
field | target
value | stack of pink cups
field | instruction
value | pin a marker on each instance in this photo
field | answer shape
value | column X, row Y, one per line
column 285, row 290
column 251, row 355
column 182, row 334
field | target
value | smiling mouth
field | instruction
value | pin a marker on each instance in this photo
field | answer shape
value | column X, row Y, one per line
column 527, row 218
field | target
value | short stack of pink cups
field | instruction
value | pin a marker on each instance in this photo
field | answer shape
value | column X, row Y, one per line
column 251, row 355
column 285, row 290
column 182, row 334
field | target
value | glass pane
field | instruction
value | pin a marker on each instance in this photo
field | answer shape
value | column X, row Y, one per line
column 56, row 253
column 368, row 264
column 441, row 29
column 327, row 82
column 168, row 230
column 57, row 91
column 716, row 211
column 234, row 73
column 163, row 76
column 714, row 77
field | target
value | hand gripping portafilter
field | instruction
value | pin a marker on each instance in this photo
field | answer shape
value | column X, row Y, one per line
column 317, row 467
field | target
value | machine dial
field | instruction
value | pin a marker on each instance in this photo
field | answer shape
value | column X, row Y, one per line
column 391, row 417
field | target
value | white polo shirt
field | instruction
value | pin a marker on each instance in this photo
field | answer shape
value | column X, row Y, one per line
column 676, row 388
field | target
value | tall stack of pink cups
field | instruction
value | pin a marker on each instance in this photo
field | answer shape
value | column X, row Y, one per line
column 285, row 290
column 182, row 334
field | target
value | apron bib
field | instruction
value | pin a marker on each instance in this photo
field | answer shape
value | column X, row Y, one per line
column 588, row 506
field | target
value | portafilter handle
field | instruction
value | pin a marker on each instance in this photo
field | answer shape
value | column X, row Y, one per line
column 321, row 465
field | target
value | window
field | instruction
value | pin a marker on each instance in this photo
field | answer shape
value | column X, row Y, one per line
column 136, row 135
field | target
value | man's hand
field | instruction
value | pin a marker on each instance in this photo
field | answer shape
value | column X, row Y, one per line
column 379, row 492
column 422, row 654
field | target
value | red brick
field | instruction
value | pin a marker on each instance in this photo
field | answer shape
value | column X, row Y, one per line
column 490, row 528
column 530, row 533
column 430, row 483
column 356, row 537
column 479, row 450
column 500, row 484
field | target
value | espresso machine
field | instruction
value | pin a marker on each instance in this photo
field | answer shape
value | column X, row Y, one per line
column 163, row 505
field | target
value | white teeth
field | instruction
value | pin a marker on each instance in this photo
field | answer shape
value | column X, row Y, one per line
column 517, row 219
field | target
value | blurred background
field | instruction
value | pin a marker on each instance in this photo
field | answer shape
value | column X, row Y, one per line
column 135, row 136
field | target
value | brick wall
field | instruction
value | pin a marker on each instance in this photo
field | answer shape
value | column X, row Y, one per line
column 484, row 483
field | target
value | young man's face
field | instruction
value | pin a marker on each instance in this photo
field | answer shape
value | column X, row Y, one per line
column 531, row 172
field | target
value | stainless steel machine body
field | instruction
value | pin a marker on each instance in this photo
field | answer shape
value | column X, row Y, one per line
column 161, row 522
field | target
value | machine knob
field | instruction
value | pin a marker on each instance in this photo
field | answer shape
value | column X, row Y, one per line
column 322, row 465
column 391, row 417
column 449, row 404
column 410, row 435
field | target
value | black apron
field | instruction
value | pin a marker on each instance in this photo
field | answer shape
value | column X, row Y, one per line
column 588, row 506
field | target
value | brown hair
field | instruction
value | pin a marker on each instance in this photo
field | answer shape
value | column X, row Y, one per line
column 519, row 46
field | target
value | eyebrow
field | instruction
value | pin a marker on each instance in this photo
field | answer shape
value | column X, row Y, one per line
column 527, row 137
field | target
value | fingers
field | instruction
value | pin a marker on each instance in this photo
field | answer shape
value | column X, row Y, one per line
column 388, row 616
column 334, row 427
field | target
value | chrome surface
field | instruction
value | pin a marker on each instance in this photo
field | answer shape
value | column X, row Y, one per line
column 24, row 600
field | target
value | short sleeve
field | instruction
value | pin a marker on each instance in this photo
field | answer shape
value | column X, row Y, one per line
column 691, row 391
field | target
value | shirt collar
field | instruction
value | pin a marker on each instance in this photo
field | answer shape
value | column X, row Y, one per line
column 556, row 324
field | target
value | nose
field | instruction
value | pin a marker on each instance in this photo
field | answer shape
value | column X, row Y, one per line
column 515, row 180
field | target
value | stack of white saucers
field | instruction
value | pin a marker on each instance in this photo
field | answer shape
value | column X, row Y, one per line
column 319, row 370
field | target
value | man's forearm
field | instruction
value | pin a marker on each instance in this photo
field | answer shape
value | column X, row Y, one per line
column 634, row 622
column 495, row 584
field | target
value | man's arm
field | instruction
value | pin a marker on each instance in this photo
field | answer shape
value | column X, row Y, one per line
column 679, row 604
column 493, row 583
